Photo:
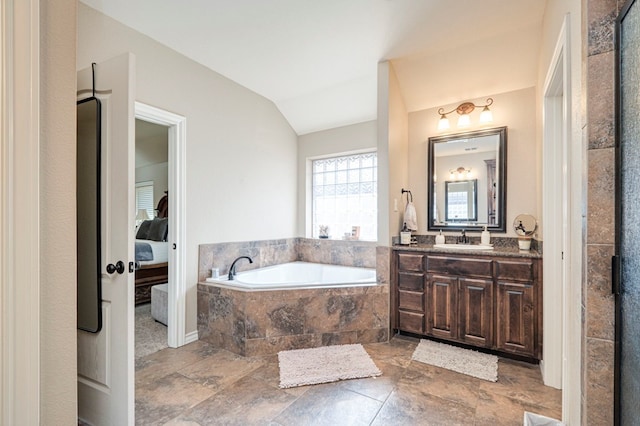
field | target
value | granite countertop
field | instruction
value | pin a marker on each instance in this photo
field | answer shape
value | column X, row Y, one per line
column 497, row 251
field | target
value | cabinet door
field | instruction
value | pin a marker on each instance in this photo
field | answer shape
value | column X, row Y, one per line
column 515, row 318
column 475, row 311
column 441, row 306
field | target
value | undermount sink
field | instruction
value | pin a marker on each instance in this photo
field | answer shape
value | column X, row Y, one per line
column 464, row 246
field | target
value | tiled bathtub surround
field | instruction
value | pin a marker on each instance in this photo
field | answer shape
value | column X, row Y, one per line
column 266, row 322
column 274, row 252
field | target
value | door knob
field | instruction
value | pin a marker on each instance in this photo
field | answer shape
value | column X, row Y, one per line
column 118, row 267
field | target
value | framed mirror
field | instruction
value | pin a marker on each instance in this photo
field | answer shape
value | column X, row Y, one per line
column 467, row 180
column 89, row 268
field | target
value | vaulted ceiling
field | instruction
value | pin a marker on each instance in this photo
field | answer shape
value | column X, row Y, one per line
column 317, row 60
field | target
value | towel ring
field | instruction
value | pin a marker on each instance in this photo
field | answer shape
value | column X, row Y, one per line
column 410, row 196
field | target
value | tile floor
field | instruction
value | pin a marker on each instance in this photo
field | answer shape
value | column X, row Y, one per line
column 202, row 385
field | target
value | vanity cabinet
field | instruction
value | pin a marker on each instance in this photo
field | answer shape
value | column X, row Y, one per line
column 410, row 293
column 481, row 300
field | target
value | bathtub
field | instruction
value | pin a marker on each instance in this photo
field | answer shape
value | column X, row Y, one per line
column 298, row 275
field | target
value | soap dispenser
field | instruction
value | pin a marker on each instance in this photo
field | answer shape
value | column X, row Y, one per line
column 485, row 237
column 440, row 238
column 405, row 235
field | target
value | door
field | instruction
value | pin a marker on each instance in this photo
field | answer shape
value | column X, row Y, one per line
column 475, row 311
column 106, row 358
column 442, row 307
column 515, row 318
column 627, row 368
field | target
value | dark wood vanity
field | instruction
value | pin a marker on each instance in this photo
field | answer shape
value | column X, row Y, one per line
column 491, row 300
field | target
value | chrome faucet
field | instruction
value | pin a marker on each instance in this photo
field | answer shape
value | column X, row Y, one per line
column 232, row 270
column 463, row 239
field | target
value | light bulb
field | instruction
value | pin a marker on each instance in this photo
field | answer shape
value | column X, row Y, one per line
column 464, row 120
column 443, row 124
column 486, row 116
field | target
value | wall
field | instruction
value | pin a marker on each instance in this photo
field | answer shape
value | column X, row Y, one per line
column 240, row 153
column 517, row 111
column 399, row 171
column 58, row 374
column 597, row 301
column 356, row 137
column 159, row 174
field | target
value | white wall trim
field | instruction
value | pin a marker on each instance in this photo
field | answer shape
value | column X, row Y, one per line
column 562, row 257
column 177, row 215
column 191, row 337
column 19, row 213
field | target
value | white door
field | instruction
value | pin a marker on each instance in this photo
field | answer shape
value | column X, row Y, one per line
column 106, row 359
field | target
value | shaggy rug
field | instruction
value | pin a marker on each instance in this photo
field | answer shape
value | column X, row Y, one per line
column 465, row 361
column 326, row 364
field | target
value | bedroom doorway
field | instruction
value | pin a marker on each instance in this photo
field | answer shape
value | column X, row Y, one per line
column 151, row 246
column 161, row 288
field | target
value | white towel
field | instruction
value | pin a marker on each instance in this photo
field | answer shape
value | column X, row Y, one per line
column 410, row 216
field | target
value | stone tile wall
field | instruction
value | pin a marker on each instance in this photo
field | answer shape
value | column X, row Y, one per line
column 263, row 253
column 274, row 252
column 598, row 303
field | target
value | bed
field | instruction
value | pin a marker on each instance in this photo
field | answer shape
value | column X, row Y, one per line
column 151, row 272
column 152, row 254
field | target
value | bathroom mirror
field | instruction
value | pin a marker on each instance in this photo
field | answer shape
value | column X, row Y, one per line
column 89, row 268
column 467, row 181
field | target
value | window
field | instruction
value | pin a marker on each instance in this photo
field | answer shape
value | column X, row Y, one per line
column 144, row 198
column 345, row 194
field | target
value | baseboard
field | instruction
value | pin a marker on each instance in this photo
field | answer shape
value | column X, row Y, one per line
column 191, row 337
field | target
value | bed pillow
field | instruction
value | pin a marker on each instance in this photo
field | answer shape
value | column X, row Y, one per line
column 143, row 230
column 158, row 229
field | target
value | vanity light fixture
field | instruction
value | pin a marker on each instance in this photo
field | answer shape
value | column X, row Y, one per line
column 464, row 109
column 460, row 173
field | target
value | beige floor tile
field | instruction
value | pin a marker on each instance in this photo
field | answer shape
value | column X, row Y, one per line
column 167, row 397
column 199, row 385
column 170, row 360
column 424, row 379
column 404, row 407
column 248, row 402
column 495, row 409
column 523, row 382
column 330, row 404
column 221, row 369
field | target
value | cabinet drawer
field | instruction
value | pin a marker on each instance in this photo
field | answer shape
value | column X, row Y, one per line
column 411, row 322
column 411, row 300
column 408, row 281
column 410, row 262
column 459, row 266
column 514, row 270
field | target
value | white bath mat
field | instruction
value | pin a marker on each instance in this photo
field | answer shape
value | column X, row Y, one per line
column 465, row 361
column 301, row 367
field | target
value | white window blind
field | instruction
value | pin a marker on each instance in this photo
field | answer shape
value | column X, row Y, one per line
column 144, row 197
column 345, row 194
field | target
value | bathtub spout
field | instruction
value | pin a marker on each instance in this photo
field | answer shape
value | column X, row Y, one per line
column 232, row 269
